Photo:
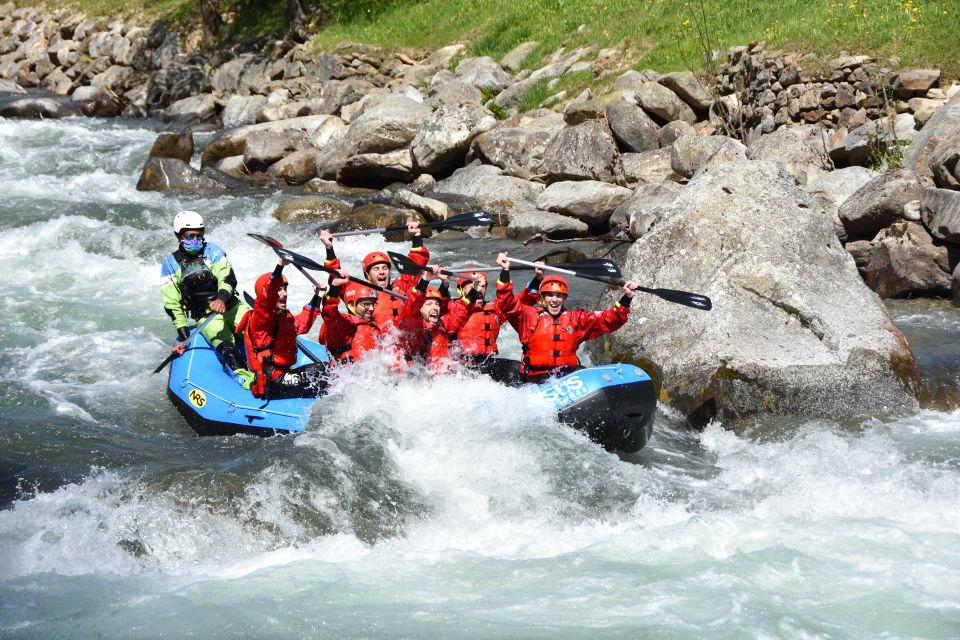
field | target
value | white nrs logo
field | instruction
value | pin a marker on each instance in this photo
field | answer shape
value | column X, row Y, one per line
column 565, row 390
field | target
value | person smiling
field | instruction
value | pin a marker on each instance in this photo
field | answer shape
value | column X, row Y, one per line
column 549, row 333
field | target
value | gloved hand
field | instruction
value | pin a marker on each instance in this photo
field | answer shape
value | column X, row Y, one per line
column 245, row 378
column 182, row 334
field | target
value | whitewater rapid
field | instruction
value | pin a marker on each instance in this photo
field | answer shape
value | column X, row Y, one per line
column 449, row 507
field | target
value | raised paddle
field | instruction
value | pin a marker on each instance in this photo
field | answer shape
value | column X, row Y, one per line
column 469, row 219
column 695, row 300
column 276, row 244
column 173, row 354
column 406, row 266
column 303, row 262
column 594, row 266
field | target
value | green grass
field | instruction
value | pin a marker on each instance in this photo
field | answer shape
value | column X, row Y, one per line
column 660, row 34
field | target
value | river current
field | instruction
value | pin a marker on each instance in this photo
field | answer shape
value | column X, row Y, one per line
column 410, row 508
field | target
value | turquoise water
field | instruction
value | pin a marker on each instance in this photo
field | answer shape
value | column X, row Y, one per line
column 411, row 508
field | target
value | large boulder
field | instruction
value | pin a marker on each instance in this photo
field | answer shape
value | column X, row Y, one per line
column 311, row 208
column 632, row 127
column 242, row 110
column 318, row 130
column 591, row 201
column 906, row 262
column 688, row 88
column 262, row 148
column 172, row 174
column 390, row 124
column 377, row 169
column 801, row 149
column 638, row 213
column 442, row 140
column 488, row 188
column 649, row 166
column 546, row 223
column 793, row 329
column 944, row 124
column 39, row 108
column 586, row 151
column 834, row 188
column 173, row 145
column 483, row 73
column 662, row 103
column 865, row 144
column 940, row 211
column 690, row 154
column 518, row 144
column 880, row 202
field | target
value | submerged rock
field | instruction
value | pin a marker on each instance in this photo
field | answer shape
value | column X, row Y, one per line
column 793, row 330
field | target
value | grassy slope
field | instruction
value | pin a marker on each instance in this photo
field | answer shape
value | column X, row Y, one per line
column 661, row 33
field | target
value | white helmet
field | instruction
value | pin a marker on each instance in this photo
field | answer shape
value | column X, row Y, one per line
column 187, row 220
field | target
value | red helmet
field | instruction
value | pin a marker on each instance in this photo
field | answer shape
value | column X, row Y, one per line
column 433, row 292
column 353, row 293
column 264, row 281
column 554, row 284
column 463, row 280
column 376, row 257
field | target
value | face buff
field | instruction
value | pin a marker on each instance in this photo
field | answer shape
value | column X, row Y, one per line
column 193, row 246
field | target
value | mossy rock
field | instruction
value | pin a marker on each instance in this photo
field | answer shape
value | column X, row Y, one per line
column 311, row 208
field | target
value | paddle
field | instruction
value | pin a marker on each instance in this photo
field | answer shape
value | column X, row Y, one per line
column 408, row 267
column 592, row 266
column 275, row 244
column 470, row 219
column 173, row 354
column 685, row 298
column 303, row 262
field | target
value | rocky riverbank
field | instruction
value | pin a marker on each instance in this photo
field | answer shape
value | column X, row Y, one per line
column 755, row 189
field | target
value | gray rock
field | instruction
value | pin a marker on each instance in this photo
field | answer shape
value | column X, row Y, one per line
column 675, row 130
column 513, row 60
column 686, row 85
column 226, row 78
column 171, row 174
column 442, row 139
column 38, row 108
column 879, row 203
column 800, row 149
column 832, row 189
column 295, row 168
column 263, row 148
column 377, row 169
column 454, row 92
column 584, row 152
column 906, row 262
column 638, row 213
column 632, row 127
column 945, row 162
column 319, row 131
column 552, row 225
column 201, row 108
column 647, row 167
column 518, row 144
column 632, row 80
column 241, row 110
column 664, row 104
column 311, row 208
column 483, row 73
column 57, row 82
column 389, row 125
column 173, row 145
column 591, row 201
column 864, row 141
column 690, row 154
column 945, row 123
column 10, row 87
column 232, row 166
column 432, row 210
column 940, row 212
column 488, row 188
column 793, row 329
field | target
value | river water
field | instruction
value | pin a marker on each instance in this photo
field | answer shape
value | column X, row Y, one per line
column 448, row 508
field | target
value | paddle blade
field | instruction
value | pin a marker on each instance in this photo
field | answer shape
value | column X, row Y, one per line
column 299, row 260
column 694, row 300
column 469, row 219
column 249, row 299
column 267, row 240
column 405, row 265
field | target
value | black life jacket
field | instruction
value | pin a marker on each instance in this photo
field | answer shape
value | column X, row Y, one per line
column 197, row 283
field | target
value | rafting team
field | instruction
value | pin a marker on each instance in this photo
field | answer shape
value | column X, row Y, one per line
column 433, row 328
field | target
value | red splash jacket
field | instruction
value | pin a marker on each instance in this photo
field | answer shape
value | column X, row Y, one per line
column 348, row 337
column 270, row 335
column 549, row 343
column 425, row 342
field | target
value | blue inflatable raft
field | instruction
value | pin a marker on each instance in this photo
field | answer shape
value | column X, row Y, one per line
column 613, row 404
column 214, row 404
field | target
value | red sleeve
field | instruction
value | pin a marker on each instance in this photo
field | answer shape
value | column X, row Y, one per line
column 520, row 316
column 262, row 323
column 305, row 319
column 455, row 317
column 529, row 296
column 339, row 330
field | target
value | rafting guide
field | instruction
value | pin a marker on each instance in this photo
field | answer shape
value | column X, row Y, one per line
column 197, row 280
